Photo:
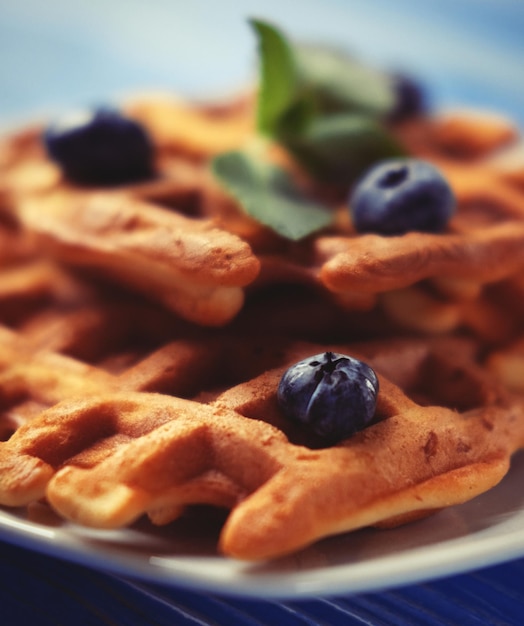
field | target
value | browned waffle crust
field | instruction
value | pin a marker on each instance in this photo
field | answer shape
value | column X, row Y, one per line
column 105, row 455
column 141, row 346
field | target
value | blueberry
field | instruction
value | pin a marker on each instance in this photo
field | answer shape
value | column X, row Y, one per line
column 332, row 394
column 410, row 98
column 100, row 147
column 401, row 195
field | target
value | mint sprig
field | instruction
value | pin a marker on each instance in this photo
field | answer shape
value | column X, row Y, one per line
column 268, row 194
column 337, row 148
column 278, row 78
column 326, row 109
column 340, row 83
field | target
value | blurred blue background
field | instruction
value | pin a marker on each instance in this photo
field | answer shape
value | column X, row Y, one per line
column 63, row 53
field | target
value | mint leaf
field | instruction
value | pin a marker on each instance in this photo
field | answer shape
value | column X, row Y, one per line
column 325, row 108
column 269, row 194
column 278, row 86
column 298, row 82
column 339, row 148
column 341, row 83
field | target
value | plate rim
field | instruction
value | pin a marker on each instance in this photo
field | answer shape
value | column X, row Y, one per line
column 415, row 565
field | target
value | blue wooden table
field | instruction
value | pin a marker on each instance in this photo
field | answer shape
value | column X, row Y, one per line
column 44, row 591
column 58, row 54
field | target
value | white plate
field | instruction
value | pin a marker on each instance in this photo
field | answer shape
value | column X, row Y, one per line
column 485, row 531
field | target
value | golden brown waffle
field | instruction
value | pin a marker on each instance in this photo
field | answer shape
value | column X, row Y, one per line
column 192, row 267
column 424, row 281
column 120, row 398
column 45, row 309
column 200, row 263
column 188, row 263
column 105, row 458
column 197, row 131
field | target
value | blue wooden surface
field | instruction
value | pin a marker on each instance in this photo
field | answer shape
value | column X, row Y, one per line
column 58, row 54
column 44, row 591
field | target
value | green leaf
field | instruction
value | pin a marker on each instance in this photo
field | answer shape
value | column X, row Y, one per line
column 325, row 109
column 339, row 148
column 278, row 76
column 268, row 194
column 298, row 82
column 340, row 83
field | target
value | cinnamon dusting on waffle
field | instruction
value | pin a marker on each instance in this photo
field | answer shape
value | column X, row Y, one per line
column 144, row 329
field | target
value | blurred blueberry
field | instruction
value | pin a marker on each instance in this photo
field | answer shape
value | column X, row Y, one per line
column 410, row 98
column 401, row 195
column 332, row 394
column 100, row 147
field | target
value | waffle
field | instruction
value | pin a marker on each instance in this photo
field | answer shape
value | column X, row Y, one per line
column 192, row 266
column 144, row 329
column 428, row 282
column 202, row 259
column 106, row 451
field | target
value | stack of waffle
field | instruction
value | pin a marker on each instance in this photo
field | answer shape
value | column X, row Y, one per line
column 144, row 329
